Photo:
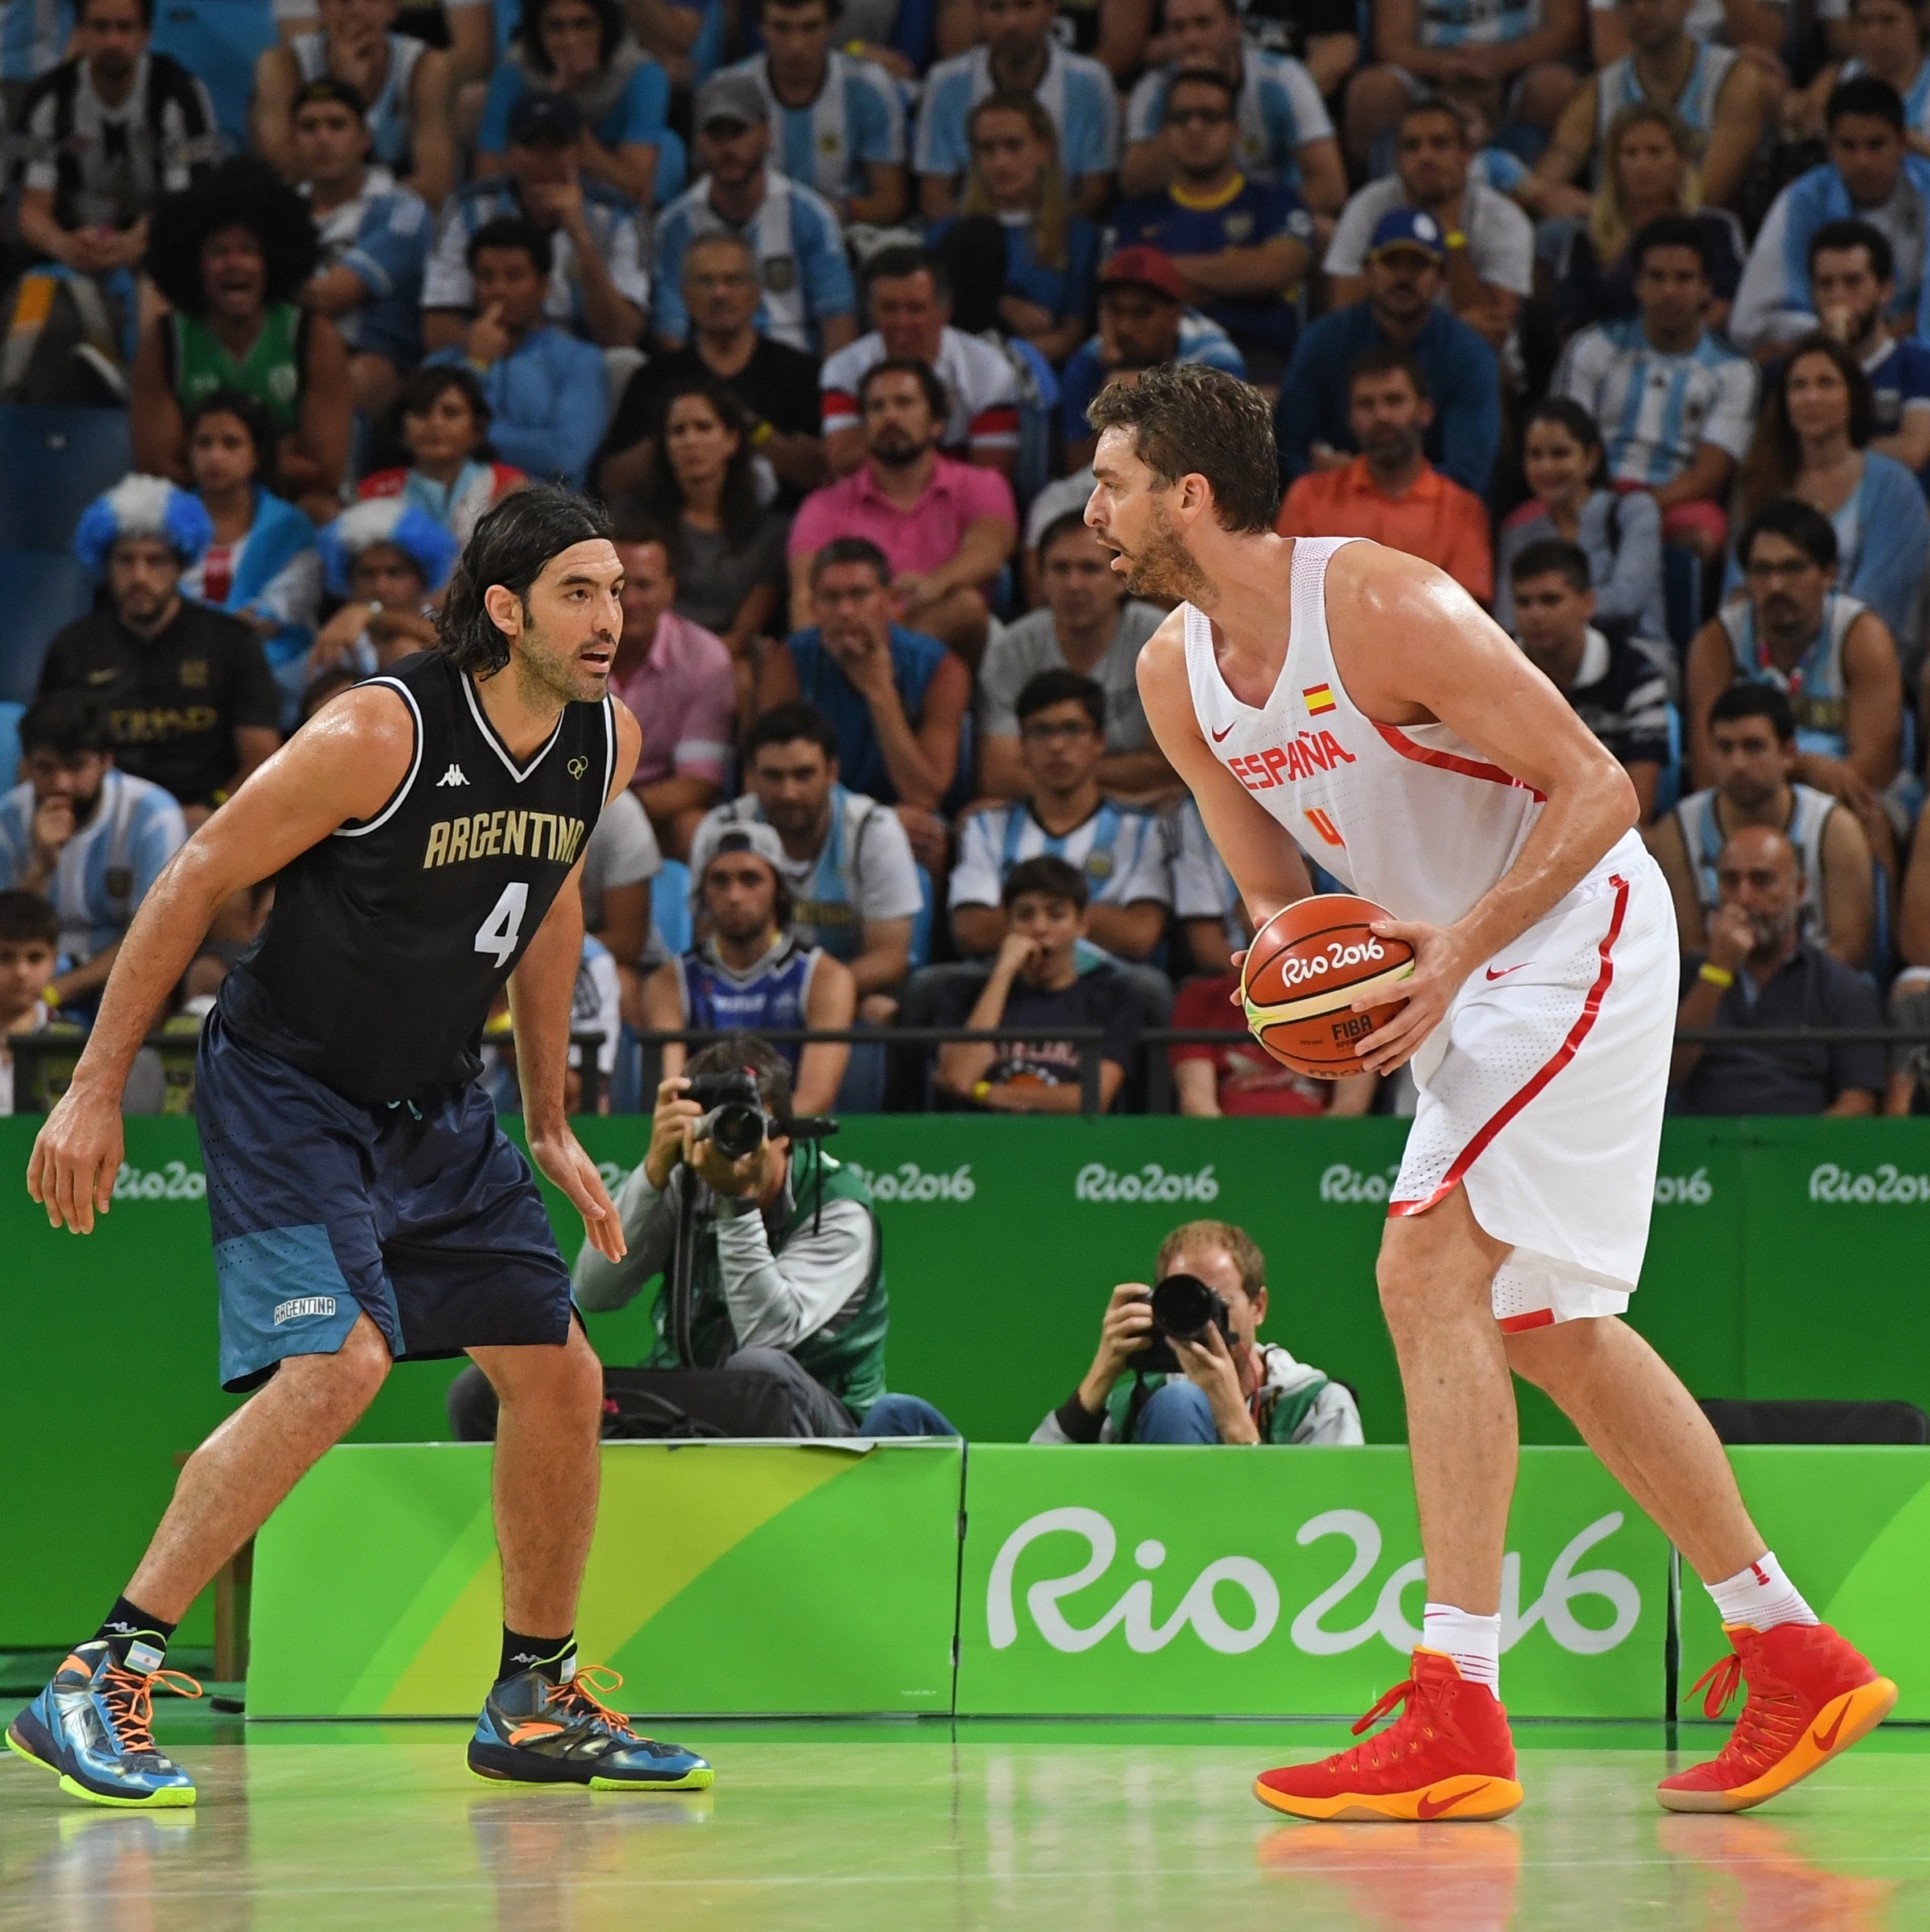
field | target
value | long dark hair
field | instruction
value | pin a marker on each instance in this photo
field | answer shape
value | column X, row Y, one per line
column 1569, row 416
column 1775, row 455
column 662, row 496
column 247, row 411
column 529, row 32
column 513, row 540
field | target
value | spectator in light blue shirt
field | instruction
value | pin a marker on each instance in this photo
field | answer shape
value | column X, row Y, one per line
column 1018, row 51
column 837, row 121
column 809, row 302
column 582, row 48
column 90, row 839
column 546, row 391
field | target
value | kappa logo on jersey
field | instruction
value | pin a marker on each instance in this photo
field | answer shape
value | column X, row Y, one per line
column 504, row 834
column 453, row 776
column 1284, row 764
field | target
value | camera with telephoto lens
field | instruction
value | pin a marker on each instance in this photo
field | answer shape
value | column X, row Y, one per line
column 1182, row 1306
column 734, row 1120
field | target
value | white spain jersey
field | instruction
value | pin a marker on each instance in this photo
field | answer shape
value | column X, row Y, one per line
column 1541, row 1090
column 1410, row 816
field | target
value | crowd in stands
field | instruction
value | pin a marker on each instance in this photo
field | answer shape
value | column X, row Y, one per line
column 1618, row 313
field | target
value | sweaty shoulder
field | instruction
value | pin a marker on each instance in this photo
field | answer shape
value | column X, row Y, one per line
column 629, row 745
column 1161, row 665
column 360, row 745
column 1390, row 617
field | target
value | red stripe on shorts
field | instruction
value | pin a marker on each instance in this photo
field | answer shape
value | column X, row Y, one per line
column 1540, row 1319
column 1448, row 760
column 1560, row 1057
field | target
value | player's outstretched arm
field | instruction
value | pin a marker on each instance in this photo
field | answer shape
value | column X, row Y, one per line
column 344, row 765
column 1265, row 863
column 541, row 992
column 1412, row 646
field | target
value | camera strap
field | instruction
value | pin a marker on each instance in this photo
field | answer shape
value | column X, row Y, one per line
column 682, row 1258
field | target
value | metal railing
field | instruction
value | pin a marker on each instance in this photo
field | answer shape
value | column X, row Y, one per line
column 29, row 1050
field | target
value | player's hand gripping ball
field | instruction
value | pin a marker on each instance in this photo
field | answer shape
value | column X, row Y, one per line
column 1304, row 971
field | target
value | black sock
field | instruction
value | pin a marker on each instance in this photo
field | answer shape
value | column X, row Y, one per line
column 129, row 1625
column 551, row 1655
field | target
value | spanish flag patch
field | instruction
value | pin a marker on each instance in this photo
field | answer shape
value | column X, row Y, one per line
column 1319, row 697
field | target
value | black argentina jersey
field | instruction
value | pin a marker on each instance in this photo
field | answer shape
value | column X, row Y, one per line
column 389, row 939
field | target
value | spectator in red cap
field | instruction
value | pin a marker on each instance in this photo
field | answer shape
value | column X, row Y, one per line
column 1144, row 320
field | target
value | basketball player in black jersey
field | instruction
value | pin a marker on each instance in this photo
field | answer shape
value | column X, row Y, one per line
column 425, row 832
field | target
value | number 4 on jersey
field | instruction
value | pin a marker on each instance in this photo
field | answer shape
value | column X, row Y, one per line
column 499, row 933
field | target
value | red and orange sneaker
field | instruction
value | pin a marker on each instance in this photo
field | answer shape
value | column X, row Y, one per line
column 1812, row 1695
column 1448, row 1755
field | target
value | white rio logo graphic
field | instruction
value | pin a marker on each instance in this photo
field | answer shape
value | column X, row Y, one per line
column 1296, row 971
column 1888, row 1187
column 1309, row 1632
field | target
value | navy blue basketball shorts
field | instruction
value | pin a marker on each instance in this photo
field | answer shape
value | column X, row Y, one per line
column 424, row 1218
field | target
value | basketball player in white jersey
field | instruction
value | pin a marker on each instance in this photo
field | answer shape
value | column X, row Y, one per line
column 1355, row 698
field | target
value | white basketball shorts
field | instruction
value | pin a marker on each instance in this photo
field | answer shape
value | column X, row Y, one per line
column 1541, row 1093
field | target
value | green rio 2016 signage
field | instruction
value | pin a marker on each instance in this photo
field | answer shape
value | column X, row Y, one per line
column 1147, row 1581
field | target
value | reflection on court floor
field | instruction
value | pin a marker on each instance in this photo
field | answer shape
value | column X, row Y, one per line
column 842, row 1828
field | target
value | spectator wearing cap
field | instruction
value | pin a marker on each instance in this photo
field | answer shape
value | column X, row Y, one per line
column 546, row 391
column 854, row 884
column 451, row 474
column 750, row 973
column 1118, row 851
column 809, row 302
column 384, row 559
column 1405, row 268
column 1143, row 321
column 375, row 237
column 1390, row 492
column 837, row 119
column 260, row 564
column 1675, row 403
column 404, row 84
column 600, row 284
column 88, row 838
column 776, row 385
column 1760, row 974
column 1018, row 52
column 1284, row 133
column 677, row 679
column 1086, row 624
column 896, row 698
column 1488, row 244
column 1239, row 247
column 1616, row 681
column 947, row 528
column 583, row 49
column 908, row 296
column 191, row 705
column 1871, row 174
column 1852, row 278
column 1750, row 735
column 1035, row 981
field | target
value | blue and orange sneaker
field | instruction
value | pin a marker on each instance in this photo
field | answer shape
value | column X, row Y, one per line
column 533, row 1732
column 93, row 1728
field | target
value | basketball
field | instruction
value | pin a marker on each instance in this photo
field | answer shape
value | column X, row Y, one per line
column 1305, row 968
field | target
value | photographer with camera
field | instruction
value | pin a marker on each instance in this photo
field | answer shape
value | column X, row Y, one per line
column 770, row 1250
column 1183, row 1361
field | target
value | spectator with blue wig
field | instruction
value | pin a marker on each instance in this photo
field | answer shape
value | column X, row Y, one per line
column 190, row 703
column 261, row 563
column 385, row 559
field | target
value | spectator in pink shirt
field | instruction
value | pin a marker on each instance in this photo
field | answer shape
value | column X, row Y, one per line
column 945, row 528
column 677, row 678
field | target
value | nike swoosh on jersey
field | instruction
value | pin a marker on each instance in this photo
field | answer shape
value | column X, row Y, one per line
column 1506, row 970
column 1218, row 736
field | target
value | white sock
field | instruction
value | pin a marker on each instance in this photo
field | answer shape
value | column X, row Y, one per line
column 1760, row 1596
column 1474, row 1642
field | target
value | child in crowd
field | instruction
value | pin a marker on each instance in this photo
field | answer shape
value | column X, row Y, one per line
column 449, row 474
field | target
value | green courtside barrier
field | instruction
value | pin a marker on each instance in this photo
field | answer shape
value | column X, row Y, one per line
column 752, row 1579
column 721, row 1577
column 1785, row 1260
